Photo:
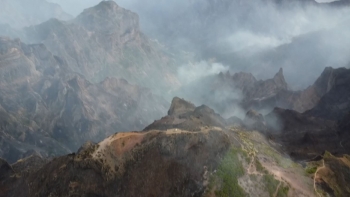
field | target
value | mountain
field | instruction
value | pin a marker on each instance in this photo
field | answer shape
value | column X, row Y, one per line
column 335, row 104
column 18, row 14
column 48, row 108
column 106, row 41
column 77, row 109
column 167, row 159
column 324, row 127
column 235, row 94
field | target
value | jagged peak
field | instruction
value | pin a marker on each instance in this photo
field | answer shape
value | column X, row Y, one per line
column 106, row 17
column 104, row 6
column 244, row 75
column 279, row 74
column 325, row 81
column 180, row 106
column 109, row 3
column 279, row 79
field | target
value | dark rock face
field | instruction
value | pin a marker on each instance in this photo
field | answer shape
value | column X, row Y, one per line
column 323, row 128
column 46, row 107
column 5, row 170
column 335, row 103
column 302, row 136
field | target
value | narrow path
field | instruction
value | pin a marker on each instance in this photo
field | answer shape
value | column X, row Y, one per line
column 278, row 187
column 323, row 166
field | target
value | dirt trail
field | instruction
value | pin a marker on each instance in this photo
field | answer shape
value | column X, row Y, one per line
column 278, row 187
column 315, row 176
column 290, row 177
column 107, row 142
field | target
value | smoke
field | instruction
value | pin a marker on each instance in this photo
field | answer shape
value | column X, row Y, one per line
column 75, row 7
column 202, row 85
column 252, row 36
column 192, row 72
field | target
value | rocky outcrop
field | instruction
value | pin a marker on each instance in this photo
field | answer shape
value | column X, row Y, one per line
column 180, row 106
column 191, row 118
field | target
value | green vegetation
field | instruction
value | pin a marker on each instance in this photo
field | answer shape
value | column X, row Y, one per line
column 271, row 183
column 327, row 155
column 311, row 170
column 283, row 191
column 253, row 177
column 228, row 173
column 259, row 166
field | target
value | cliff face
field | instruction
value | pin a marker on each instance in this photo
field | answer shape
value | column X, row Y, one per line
column 106, row 41
column 324, row 127
column 47, row 107
column 335, row 103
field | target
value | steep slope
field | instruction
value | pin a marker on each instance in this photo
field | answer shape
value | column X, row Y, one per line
column 48, row 108
column 18, row 14
column 303, row 136
column 335, row 104
column 106, row 41
column 324, row 127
